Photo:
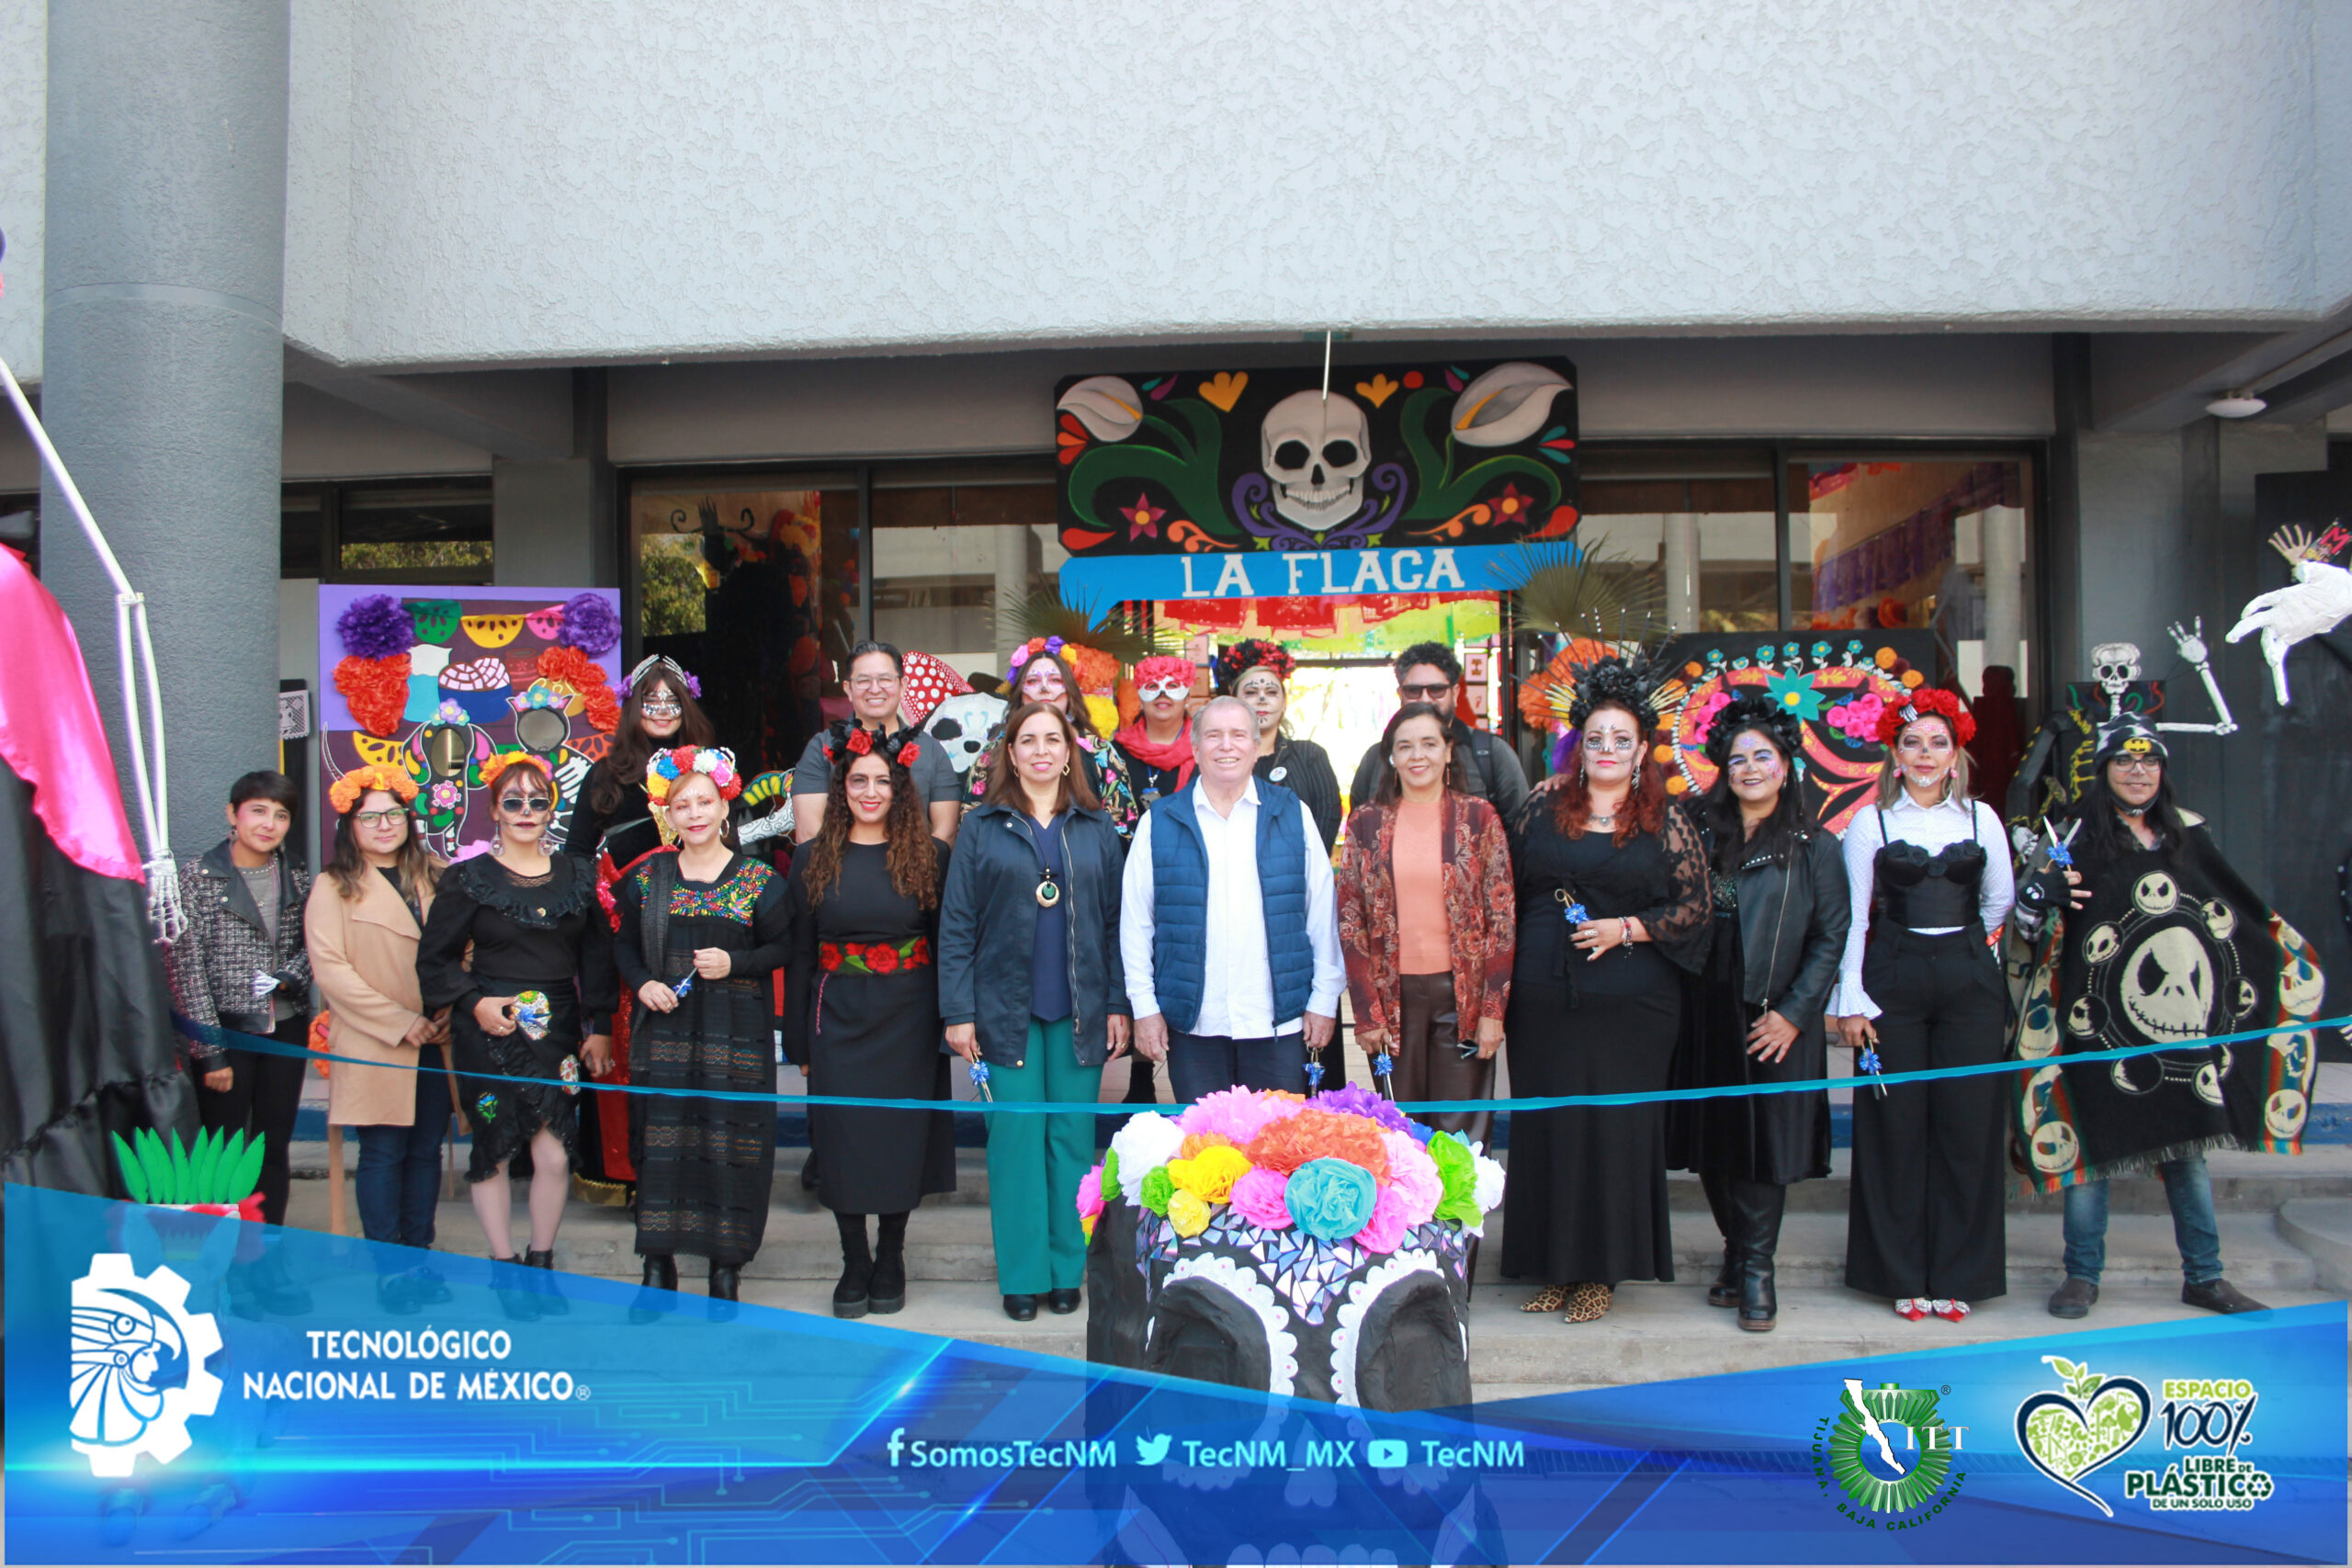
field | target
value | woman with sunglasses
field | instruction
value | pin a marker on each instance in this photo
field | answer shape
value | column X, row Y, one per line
column 613, row 826
column 362, row 924
column 532, row 1003
column 1612, row 913
column 702, row 928
column 862, row 1013
column 1927, row 873
column 1042, row 675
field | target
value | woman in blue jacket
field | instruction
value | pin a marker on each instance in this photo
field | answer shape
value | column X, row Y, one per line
column 1030, row 984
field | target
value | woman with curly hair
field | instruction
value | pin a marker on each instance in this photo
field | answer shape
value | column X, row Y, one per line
column 702, row 928
column 1754, row 1015
column 1259, row 673
column 1929, row 885
column 1612, row 913
column 862, row 1016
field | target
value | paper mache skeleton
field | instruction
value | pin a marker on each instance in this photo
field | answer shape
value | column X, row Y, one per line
column 1318, row 1248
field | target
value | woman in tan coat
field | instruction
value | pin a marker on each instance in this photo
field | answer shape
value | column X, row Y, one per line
column 363, row 922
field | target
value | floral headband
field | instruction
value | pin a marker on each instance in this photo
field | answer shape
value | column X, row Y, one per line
column 1035, row 646
column 847, row 741
column 1163, row 667
column 665, row 768
column 1252, row 653
column 350, row 789
column 661, row 664
column 500, row 763
column 1927, row 702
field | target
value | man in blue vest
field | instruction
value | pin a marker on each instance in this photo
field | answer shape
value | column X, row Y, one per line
column 1228, row 926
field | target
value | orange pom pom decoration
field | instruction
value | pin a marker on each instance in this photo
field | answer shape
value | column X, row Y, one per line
column 570, row 666
column 1195, row 1142
column 376, row 690
column 1286, row 1144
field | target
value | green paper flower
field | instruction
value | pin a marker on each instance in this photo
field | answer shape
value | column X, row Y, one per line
column 1157, row 1189
column 1331, row 1198
column 1454, row 1168
column 1459, row 1209
column 1110, row 1175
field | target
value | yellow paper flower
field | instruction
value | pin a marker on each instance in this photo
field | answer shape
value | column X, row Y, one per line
column 1086, row 1224
column 1210, row 1175
column 1188, row 1211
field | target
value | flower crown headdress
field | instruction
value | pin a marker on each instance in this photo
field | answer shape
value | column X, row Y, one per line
column 500, row 763
column 1252, row 653
column 1753, row 707
column 846, row 741
column 353, row 787
column 665, row 768
column 1927, row 702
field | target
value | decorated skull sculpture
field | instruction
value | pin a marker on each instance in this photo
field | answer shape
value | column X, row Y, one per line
column 964, row 725
column 1316, row 450
column 2115, row 665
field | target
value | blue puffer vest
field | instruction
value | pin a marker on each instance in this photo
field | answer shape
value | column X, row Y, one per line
column 1180, row 879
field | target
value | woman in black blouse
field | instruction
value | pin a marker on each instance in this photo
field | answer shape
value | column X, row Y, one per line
column 701, row 928
column 533, row 1004
column 1612, row 913
column 1259, row 673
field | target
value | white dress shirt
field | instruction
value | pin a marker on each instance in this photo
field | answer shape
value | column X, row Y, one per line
column 1238, row 986
column 1932, row 828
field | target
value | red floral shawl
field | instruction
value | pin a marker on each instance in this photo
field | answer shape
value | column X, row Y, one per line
column 1481, row 911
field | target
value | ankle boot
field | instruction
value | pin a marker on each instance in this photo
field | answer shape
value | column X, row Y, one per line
column 886, row 1288
column 515, row 1297
column 1760, row 1207
column 851, row 1297
column 551, row 1301
column 1724, row 1291
column 661, row 1274
column 725, row 1281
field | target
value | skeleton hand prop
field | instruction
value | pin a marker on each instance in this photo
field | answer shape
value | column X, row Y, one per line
column 2190, row 640
column 2316, row 601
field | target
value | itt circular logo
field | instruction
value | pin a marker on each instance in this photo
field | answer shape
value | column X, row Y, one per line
column 1890, row 1453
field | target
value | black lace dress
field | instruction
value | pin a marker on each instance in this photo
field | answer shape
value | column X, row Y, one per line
column 544, row 933
column 1586, row 1198
column 703, row 1166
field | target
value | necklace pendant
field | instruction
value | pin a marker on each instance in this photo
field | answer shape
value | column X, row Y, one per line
column 1049, row 892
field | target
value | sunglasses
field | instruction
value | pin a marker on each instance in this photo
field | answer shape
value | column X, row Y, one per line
column 1171, row 688
column 1428, row 693
column 517, row 803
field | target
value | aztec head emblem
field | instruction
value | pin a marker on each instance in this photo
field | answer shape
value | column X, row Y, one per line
column 139, row 1365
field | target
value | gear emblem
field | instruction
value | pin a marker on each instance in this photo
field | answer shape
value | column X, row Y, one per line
column 139, row 1365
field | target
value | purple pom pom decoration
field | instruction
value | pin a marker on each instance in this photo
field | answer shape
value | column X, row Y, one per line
column 1354, row 1099
column 375, row 627
column 589, row 625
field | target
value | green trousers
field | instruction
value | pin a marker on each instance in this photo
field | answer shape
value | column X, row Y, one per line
column 1035, row 1163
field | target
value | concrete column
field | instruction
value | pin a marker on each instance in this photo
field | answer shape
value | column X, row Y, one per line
column 1679, row 547
column 554, row 523
column 161, row 375
column 2004, row 537
column 1019, row 560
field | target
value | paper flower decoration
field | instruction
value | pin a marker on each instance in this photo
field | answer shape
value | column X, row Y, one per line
column 1312, row 1135
column 568, row 666
column 376, row 690
column 1258, row 1198
column 1331, row 1198
column 350, row 789
column 1796, row 693
column 1145, row 1143
column 665, row 768
column 1858, row 720
column 589, row 623
column 1385, row 1226
column 375, row 627
column 1354, row 1099
column 1158, row 1188
column 1211, row 1173
column 1188, row 1211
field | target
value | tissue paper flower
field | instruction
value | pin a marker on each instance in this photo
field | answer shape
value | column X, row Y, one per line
column 1386, row 1227
column 1239, row 1114
column 1148, row 1140
column 1158, row 1188
column 1211, row 1174
column 1312, row 1135
column 1258, row 1198
column 1188, row 1211
column 1331, row 1198
column 589, row 624
column 1195, row 1142
column 1089, row 1194
column 1354, row 1099
column 1414, row 1174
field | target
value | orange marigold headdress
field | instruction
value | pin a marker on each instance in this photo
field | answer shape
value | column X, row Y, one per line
column 500, row 763
column 352, row 788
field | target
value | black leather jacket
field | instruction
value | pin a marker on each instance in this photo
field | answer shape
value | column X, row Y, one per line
column 1792, row 925
column 988, row 927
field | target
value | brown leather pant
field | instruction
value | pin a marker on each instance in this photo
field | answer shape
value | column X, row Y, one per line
column 1429, row 1059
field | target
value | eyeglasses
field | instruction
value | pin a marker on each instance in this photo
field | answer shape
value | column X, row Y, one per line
column 872, row 683
column 1168, row 688
column 1428, row 693
column 378, row 818
column 516, row 803
column 662, row 708
column 1610, row 742
column 2138, row 765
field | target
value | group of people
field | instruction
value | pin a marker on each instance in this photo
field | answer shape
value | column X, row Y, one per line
column 1169, row 894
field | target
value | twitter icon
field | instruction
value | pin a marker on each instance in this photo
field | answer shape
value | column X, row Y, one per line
column 1152, row 1451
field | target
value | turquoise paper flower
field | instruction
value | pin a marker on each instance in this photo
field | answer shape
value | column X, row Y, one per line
column 1796, row 693
column 1331, row 1198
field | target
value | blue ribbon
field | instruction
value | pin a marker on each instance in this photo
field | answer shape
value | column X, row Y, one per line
column 217, row 1035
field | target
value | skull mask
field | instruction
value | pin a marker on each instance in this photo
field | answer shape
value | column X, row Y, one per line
column 1316, row 450
column 2115, row 665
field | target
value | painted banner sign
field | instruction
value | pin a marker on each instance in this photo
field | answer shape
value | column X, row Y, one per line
column 1404, row 468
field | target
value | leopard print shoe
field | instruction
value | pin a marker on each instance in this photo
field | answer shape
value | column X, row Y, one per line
column 1588, row 1301
column 1551, row 1298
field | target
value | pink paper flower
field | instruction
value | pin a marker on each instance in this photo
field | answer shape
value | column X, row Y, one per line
column 1089, row 1194
column 1413, row 1177
column 1258, row 1198
column 1239, row 1113
column 1858, row 719
column 1385, row 1230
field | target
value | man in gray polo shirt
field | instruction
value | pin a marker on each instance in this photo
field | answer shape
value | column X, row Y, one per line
column 874, row 680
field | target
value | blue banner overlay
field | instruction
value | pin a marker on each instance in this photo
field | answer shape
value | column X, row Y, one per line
column 146, row 1422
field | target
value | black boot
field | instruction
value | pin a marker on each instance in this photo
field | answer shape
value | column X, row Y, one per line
column 886, row 1288
column 725, row 1282
column 551, row 1301
column 661, row 1274
column 1759, row 1206
column 515, row 1296
column 1724, row 1291
column 852, row 1296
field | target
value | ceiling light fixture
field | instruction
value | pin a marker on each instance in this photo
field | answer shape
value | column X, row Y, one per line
column 2236, row 405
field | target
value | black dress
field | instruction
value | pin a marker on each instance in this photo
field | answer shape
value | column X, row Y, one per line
column 545, row 933
column 1305, row 769
column 627, row 832
column 607, row 844
column 703, row 1166
column 1774, row 1139
column 1585, row 1200
column 869, row 1026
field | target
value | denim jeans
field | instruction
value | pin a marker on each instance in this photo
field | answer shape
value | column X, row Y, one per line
column 1203, row 1064
column 2189, row 1192
column 398, row 1185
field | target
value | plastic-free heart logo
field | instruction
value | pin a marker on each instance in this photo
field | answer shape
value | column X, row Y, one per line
column 2068, row 1435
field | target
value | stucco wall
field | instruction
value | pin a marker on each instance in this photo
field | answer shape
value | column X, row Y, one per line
column 23, row 113
column 542, row 179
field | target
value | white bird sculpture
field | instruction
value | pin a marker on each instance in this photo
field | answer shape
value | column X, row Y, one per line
column 2317, row 602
